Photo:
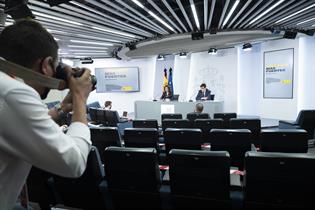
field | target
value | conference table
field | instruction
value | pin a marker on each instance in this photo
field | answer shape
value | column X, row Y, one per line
column 154, row 109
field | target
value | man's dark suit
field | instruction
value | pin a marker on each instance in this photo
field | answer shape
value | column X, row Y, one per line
column 201, row 95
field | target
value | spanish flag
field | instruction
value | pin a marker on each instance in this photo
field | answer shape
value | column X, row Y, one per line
column 165, row 80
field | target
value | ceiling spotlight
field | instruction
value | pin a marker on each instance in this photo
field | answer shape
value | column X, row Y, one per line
column 183, row 55
column 212, row 51
column 247, row 46
column 160, row 58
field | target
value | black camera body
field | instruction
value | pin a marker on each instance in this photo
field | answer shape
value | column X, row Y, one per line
column 62, row 74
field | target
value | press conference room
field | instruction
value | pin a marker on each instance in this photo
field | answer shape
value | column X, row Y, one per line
column 157, row 104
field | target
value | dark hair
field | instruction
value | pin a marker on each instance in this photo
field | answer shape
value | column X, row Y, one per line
column 108, row 103
column 199, row 107
column 203, row 85
column 25, row 42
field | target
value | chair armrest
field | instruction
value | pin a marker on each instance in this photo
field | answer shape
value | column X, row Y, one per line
column 288, row 124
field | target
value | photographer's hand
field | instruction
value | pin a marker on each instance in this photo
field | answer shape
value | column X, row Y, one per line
column 80, row 88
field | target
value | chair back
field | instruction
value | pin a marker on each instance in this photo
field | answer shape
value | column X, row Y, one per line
column 226, row 117
column 171, row 116
column 279, row 181
column 148, row 123
column 133, row 177
column 103, row 137
column 236, row 142
column 254, row 125
column 284, row 140
column 193, row 116
column 200, row 179
column 306, row 120
column 84, row 192
column 142, row 138
column 206, row 125
column 175, row 123
column 188, row 138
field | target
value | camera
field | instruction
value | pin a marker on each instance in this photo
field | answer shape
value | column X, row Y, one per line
column 62, row 74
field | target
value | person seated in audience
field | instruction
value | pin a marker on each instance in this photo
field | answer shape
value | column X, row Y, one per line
column 108, row 105
column 167, row 94
column 29, row 135
column 199, row 108
column 204, row 93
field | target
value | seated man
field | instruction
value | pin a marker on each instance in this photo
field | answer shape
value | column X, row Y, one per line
column 203, row 93
column 199, row 108
column 108, row 105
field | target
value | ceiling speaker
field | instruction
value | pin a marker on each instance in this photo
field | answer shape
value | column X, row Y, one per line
column 56, row 2
column 290, row 34
column 310, row 32
column 213, row 30
column 86, row 60
column 18, row 9
column 132, row 47
column 197, row 36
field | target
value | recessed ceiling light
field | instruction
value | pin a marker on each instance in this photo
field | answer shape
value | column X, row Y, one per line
column 298, row 12
column 57, row 18
column 305, row 21
column 89, row 53
column 92, row 51
column 86, row 47
column 193, row 8
column 114, row 32
column 93, row 43
column 230, row 13
column 161, row 21
column 138, row 3
column 266, row 11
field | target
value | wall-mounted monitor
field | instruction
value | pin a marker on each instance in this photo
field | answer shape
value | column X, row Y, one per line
column 118, row 79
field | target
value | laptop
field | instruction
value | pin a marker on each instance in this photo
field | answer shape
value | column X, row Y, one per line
column 175, row 97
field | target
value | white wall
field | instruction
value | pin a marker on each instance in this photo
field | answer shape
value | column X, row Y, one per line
column 125, row 101
column 249, row 79
column 306, row 90
column 219, row 72
column 181, row 76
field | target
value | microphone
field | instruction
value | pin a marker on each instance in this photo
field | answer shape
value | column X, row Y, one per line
column 155, row 97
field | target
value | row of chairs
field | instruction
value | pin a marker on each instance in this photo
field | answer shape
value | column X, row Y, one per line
column 236, row 142
column 305, row 120
column 105, row 117
column 197, row 180
column 254, row 125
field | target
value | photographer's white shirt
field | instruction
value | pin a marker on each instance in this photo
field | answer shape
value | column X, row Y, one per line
column 28, row 136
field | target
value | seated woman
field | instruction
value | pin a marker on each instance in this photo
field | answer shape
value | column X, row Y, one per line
column 167, row 94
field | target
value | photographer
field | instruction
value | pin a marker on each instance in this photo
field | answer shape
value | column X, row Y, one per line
column 28, row 134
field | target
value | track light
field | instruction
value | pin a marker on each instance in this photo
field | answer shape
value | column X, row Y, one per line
column 247, row 46
column 212, row 51
column 183, row 55
column 160, row 58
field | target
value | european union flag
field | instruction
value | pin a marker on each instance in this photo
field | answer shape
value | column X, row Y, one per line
column 170, row 80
